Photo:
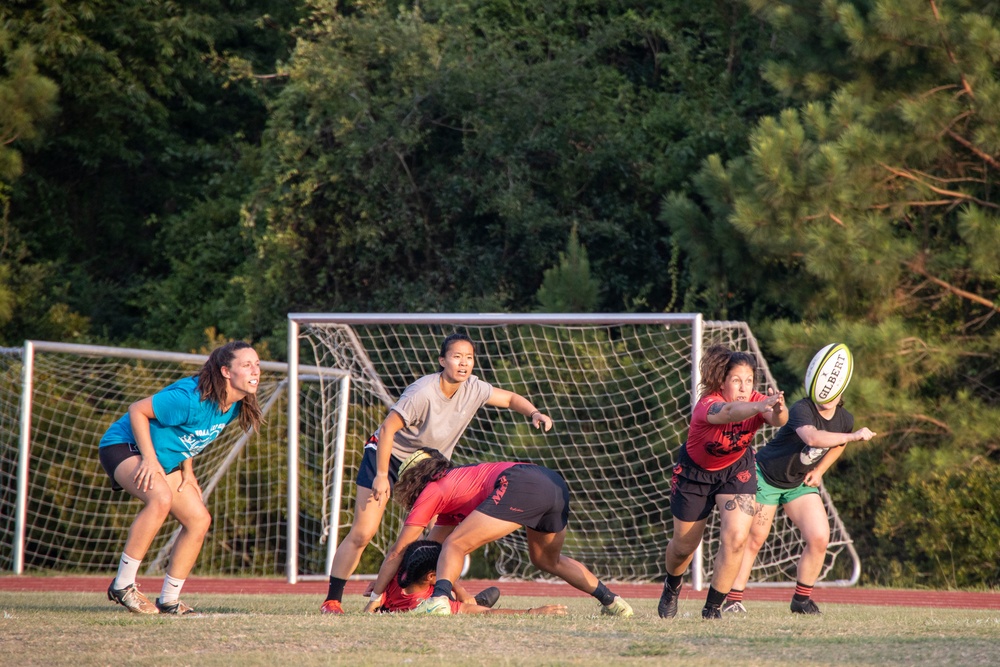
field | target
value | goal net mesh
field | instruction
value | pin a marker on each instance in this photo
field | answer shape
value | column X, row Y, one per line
column 620, row 397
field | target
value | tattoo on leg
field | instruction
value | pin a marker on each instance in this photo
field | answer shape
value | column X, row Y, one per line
column 746, row 503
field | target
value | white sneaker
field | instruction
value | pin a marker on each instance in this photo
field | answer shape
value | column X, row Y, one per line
column 618, row 607
column 734, row 608
column 439, row 606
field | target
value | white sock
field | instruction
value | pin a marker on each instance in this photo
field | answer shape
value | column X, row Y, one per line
column 171, row 589
column 128, row 568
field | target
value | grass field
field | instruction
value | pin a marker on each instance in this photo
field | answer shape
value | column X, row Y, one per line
column 82, row 629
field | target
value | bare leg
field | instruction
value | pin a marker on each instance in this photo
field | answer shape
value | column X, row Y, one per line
column 150, row 519
column 759, row 530
column 190, row 511
column 545, row 550
column 809, row 515
column 367, row 516
column 736, row 512
column 476, row 530
column 681, row 547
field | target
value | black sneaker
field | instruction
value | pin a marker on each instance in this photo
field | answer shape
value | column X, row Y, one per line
column 711, row 612
column 176, row 607
column 668, row 602
column 488, row 596
column 807, row 606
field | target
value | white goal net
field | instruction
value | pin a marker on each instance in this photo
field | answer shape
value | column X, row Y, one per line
column 619, row 388
column 60, row 514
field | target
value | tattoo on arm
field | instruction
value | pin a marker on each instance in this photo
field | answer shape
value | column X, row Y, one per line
column 715, row 408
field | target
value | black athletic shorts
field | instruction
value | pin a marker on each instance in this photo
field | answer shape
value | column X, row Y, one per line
column 369, row 465
column 530, row 495
column 112, row 457
column 693, row 489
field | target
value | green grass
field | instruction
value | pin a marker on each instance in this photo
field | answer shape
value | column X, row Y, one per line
column 247, row 630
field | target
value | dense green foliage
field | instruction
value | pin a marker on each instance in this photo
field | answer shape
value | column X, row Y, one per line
column 823, row 170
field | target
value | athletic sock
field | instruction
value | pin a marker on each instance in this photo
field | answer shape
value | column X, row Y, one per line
column 802, row 592
column 603, row 595
column 714, row 598
column 442, row 588
column 128, row 568
column 336, row 590
column 171, row 589
column 674, row 581
column 735, row 595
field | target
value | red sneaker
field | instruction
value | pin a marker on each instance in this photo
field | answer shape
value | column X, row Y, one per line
column 331, row 607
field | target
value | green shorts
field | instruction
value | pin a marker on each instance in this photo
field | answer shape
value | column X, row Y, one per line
column 772, row 495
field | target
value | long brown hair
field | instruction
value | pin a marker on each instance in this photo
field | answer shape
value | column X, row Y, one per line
column 419, row 475
column 212, row 384
column 716, row 362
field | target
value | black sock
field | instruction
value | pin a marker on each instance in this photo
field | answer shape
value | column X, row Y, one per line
column 674, row 581
column 336, row 591
column 802, row 592
column 714, row 598
column 603, row 595
column 442, row 587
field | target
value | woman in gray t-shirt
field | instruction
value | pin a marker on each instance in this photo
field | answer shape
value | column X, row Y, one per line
column 432, row 412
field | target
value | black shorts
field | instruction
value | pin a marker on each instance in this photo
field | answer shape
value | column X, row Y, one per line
column 112, row 456
column 369, row 465
column 530, row 495
column 693, row 489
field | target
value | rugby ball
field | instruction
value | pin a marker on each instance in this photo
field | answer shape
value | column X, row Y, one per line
column 829, row 373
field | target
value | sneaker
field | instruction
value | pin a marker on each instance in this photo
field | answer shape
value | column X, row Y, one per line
column 618, row 607
column 331, row 607
column 439, row 606
column 710, row 613
column 807, row 606
column 733, row 607
column 668, row 602
column 130, row 598
column 488, row 596
column 176, row 607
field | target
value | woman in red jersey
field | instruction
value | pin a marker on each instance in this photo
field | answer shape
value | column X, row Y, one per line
column 415, row 581
column 479, row 504
column 715, row 468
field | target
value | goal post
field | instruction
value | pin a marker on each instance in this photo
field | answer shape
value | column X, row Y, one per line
column 620, row 388
column 56, row 401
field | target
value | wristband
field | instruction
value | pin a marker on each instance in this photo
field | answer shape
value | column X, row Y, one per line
column 375, row 597
column 532, row 415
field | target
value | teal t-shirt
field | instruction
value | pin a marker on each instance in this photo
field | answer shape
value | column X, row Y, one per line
column 184, row 424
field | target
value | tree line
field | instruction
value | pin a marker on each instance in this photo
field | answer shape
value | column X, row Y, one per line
column 171, row 175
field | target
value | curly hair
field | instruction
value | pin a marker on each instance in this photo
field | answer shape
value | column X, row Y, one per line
column 212, row 385
column 419, row 558
column 419, row 475
column 716, row 363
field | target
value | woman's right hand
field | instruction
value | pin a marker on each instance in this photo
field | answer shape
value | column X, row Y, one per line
column 380, row 488
column 147, row 472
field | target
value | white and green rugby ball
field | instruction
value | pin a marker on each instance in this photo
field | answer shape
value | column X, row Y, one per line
column 829, row 373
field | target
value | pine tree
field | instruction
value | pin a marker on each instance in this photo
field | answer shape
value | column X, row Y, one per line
column 568, row 287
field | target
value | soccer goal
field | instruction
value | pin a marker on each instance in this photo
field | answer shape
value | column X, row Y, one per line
column 620, row 389
column 60, row 514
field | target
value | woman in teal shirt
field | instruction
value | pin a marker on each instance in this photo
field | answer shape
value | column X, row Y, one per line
column 148, row 454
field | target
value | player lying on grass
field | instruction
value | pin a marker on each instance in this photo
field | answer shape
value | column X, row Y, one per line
column 789, row 471
column 415, row 582
column 432, row 412
column 479, row 504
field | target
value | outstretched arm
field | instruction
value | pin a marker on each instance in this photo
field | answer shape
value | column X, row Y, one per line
column 546, row 610
column 737, row 411
column 501, row 398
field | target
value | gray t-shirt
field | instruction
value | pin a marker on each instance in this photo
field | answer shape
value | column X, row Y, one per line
column 432, row 419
